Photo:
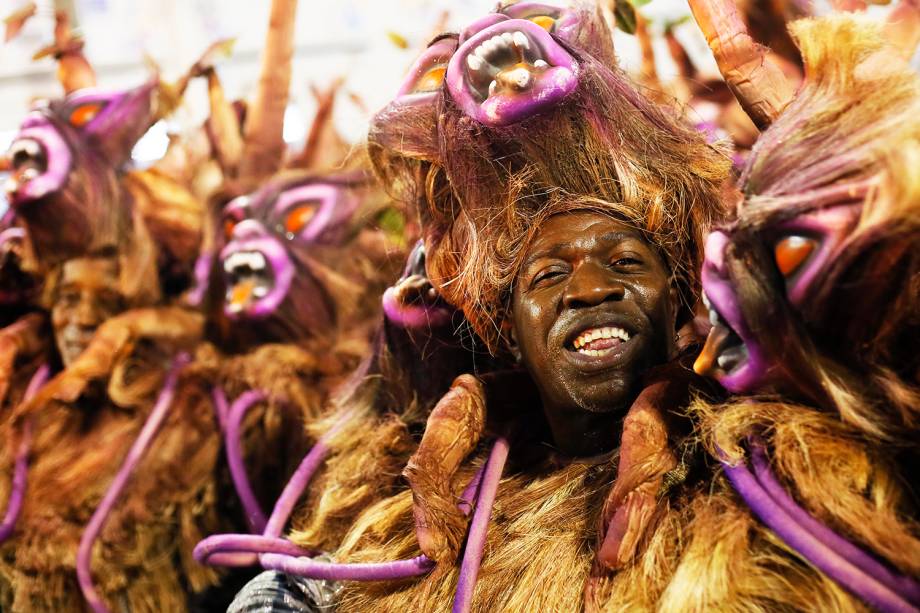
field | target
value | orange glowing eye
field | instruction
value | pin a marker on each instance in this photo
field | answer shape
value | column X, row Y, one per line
column 85, row 113
column 544, row 21
column 299, row 217
column 431, row 80
column 791, row 252
column 229, row 225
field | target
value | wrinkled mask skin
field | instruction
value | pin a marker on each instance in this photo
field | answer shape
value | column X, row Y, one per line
column 86, row 295
column 64, row 165
column 272, row 236
column 798, row 242
column 592, row 308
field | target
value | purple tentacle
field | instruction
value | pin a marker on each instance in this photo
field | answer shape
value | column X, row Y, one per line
column 21, row 466
column 810, row 546
column 476, row 539
column 240, row 549
column 201, row 273
column 485, row 481
column 299, row 481
column 243, row 549
column 254, row 513
column 221, row 406
column 376, row 571
column 135, row 454
column 901, row 584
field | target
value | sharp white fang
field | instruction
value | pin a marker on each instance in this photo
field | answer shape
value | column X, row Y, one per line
column 713, row 317
column 509, row 40
column 540, row 64
column 492, row 87
column 520, row 39
column 474, row 62
column 260, row 291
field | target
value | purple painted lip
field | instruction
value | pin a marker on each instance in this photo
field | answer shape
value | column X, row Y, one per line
column 258, row 275
column 742, row 367
column 510, row 71
column 40, row 161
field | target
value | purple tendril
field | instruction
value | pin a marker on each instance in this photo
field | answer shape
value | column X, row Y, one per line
column 21, row 467
column 476, row 540
column 135, row 454
column 842, row 561
column 254, row 513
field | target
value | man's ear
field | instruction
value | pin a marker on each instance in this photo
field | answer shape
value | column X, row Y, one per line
column 674, row 306
column 511, row 340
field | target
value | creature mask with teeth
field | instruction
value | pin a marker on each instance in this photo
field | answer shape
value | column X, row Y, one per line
column 65, row 165
column 811, row 279
column 282, row 259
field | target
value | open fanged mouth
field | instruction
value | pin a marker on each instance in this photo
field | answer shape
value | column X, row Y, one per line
column 28, row 161
column 507, row 62
column 725, row 352
column 249, row 280
column 509, row 71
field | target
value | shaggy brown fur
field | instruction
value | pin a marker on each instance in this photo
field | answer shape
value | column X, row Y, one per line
column 143, row 560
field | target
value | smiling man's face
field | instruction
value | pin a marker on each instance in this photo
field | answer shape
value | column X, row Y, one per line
column 592, row 309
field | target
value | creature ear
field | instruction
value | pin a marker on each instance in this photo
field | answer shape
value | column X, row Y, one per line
column 118, row 121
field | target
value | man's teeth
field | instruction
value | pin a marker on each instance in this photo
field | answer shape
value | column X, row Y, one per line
column 254, row 260
column 593, row 334
column 713, row 317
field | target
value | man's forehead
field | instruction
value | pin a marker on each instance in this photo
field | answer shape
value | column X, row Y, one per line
column 580, row 229
column 90, row 269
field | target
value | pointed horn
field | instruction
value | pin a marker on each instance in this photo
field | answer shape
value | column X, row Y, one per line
column 263, row 136
column 15, row 21
column 74, row 71
column 321, row 127
column 759, row 86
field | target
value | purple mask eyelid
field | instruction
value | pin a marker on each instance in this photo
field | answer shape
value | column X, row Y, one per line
column 335, row 206
column 830, row 226
column 438, row 53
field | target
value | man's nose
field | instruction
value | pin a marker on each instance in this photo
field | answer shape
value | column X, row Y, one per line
column 86, row 313
column 591, row 284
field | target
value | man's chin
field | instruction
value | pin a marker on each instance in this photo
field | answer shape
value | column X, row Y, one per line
column 612, row 394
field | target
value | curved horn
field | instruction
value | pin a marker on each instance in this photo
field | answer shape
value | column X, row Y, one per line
column 759, row 86
column 264, row 143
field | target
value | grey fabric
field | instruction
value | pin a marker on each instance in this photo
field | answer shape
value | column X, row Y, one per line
column 276, row 592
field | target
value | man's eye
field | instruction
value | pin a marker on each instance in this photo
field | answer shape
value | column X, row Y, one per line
column 546, row 277
column 627, row 261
